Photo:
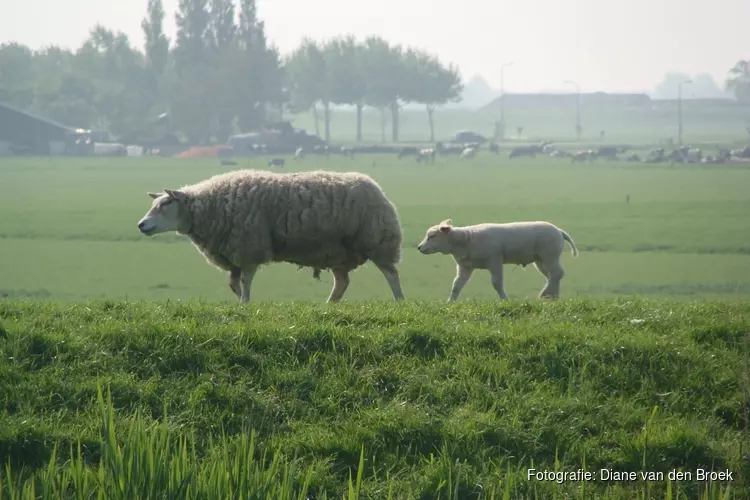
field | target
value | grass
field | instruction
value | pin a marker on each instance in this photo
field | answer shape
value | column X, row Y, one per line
column 126, row 370
column 414, row 400
column 67, row 228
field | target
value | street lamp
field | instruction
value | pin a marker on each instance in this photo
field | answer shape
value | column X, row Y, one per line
column 679, row 110
column 578, row 107
column 502, row 98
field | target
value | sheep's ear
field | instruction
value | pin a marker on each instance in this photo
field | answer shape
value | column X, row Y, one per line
column 446, row 225
column 177, row 195
column 154, row 195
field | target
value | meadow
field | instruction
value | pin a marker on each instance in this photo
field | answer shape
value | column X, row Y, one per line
column 68, row 228
column 127, row 370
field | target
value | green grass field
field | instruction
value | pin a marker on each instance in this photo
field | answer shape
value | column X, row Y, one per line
column 68, row 228
column 438, row 402
column 643, row 366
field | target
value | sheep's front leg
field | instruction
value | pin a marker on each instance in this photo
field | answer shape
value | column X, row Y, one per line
column 246, row 279
column 496, row 271
column 340, row 284
column 463, row 275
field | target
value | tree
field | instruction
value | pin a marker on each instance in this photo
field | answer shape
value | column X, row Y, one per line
column 436, row 85
column 191, row 105
column 345, row 75
column 739, row 80
column 378, row 65
column 17, row 75
column 307, row 70
column 259, row 74
column 156, row 42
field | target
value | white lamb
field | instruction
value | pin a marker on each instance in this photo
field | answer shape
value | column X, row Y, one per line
column 324, row 220
column 490, row 246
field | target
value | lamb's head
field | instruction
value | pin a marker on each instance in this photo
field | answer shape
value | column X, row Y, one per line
column 439, row 239
column 168, row 213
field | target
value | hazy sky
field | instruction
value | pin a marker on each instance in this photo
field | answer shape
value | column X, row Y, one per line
column 602, row 44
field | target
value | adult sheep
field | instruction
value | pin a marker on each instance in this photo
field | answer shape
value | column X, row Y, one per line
column 490, row 246
column 246, row 218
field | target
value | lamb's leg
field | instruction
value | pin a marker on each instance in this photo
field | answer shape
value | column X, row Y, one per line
column 391, row 275
column 463, row 275
column 496, row 272
column 246, row 279
column 234, row 281
column 540, row 267
column 340, row 284
column 555, row 274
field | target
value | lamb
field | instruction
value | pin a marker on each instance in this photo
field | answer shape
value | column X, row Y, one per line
column 325, row 220
column 490, row 246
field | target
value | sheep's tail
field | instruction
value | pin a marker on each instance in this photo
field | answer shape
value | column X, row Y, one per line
column 573, row 248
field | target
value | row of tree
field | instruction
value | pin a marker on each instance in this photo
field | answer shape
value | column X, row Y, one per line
column 220, row 75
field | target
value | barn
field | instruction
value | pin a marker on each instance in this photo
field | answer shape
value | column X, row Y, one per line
column 22, row 132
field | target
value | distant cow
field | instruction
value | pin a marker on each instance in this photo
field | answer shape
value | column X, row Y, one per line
column 276, row 162
column 347, row 151
column 451, row 149
column 322, row 150
column 408, row 151
column 607, row 152
column 531, row 150
column 582, row 156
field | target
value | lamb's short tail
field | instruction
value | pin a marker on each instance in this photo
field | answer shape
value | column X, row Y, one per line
column 567, row 238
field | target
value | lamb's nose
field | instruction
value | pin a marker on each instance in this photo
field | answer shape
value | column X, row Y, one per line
column 140, row 226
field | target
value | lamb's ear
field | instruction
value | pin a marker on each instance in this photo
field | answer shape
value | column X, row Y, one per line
column 446, row 225
column 177, row 195
column 154, row 195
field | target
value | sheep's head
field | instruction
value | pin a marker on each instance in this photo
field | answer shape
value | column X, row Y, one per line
column 167, row 213
column 439, row 239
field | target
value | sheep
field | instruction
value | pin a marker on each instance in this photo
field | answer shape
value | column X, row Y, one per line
column 426, row 155
column 345, row 151
column 276, row 162
column 468, row 153
column 299, row 154
column 243, row 219
column 490, row 246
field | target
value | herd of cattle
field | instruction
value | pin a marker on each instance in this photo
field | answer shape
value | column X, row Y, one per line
column 467, row 151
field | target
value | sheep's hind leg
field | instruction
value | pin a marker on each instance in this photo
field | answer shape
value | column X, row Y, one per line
column 555, row 273
column 340, row 284
column 234, row 281
column 246, row 279
column 496, row 272
column 391, row 275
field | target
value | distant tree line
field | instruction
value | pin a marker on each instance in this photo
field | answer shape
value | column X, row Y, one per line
column 219, row 75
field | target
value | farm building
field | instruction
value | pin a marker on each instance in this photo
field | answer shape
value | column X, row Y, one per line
column 22, row 132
